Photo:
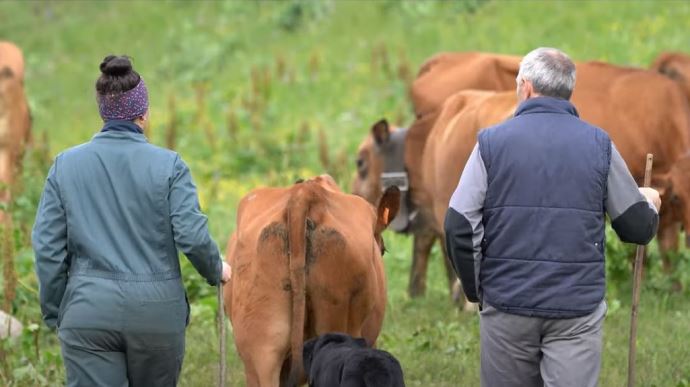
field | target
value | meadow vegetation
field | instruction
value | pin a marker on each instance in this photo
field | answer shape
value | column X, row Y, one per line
column 262, row 93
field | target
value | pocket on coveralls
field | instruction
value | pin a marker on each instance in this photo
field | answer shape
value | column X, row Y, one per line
column 156, row 307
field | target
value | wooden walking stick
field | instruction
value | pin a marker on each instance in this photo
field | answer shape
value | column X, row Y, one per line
column 637, row 283
column 221, row 335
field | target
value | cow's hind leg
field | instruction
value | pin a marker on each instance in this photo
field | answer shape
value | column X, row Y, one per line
column 262, row 336
column 667, row 235
column 423, row 241
column 263, row 368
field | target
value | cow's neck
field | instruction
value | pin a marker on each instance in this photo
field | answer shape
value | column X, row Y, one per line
column 414, row 152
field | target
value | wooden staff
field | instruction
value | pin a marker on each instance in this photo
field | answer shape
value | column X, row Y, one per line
column 221, row 338
column 637, row 282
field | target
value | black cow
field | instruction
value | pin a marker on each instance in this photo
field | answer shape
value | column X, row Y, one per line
column 336, row 359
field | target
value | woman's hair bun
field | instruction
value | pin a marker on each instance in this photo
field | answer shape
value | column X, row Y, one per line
column 116, row 65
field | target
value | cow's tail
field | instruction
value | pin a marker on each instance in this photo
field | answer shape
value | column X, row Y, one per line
column 298, row 209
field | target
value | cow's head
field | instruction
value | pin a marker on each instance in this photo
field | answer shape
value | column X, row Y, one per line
column 676, row 66
column 387, row 209
column 677, row 193
column 381, row 164
column 367, row 182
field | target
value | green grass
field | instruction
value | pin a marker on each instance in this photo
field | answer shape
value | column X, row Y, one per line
column 254, row 83
column 438, row 345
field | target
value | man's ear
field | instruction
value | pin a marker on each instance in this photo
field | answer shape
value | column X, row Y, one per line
column 381, row 132
column 388, row 207
column 528, row 88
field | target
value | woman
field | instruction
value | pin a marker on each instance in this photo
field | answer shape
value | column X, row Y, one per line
column 112, row 215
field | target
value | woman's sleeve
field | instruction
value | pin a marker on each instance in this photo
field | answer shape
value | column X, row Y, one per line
column 190, row 226
column 49, row 241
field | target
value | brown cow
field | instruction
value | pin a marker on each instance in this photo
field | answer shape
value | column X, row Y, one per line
column 452, row 138
column 620, row 100
column 373, row 161
column 15, row 119
column 676, row 65
column 306, row 260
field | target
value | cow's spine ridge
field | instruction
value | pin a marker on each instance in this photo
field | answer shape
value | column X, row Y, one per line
column 297, row 212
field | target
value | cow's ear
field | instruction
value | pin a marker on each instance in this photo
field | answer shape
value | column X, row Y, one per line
column 388, row 207
column 381, row 132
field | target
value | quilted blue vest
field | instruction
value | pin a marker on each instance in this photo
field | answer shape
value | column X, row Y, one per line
column 544, row 216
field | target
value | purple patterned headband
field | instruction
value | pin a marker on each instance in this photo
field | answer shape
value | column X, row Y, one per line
column 124, row 106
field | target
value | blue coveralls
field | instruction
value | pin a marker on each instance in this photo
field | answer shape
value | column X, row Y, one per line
column 113, row 213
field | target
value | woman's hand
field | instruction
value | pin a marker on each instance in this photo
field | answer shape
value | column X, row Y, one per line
column 227, row 273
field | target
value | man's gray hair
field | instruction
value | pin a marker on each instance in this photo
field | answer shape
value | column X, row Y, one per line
column 551, row 72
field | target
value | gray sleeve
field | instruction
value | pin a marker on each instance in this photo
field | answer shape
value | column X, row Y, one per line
column 49, row 241
column 634, row 219
column 463, row 225
column 190, row 226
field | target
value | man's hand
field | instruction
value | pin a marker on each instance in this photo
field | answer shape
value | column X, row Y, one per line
column 652, row 196
column 227, row 273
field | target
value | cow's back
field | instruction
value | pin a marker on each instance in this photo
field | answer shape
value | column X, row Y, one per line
column 328, row 274
column 339, row 245
column 446, row 73
column 642, row 111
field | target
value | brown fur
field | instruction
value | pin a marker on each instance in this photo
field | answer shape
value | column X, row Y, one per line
column 446, row 73
column 675, row 65
column 451, row 141
column 617, row 106
column 15, row 119
column 642, row 110
column 332, row 278
column 11, row 56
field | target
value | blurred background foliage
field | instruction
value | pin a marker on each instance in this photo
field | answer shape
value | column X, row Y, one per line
column 260, row 93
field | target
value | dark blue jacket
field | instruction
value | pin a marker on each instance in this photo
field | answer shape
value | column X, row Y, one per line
column 546, row 180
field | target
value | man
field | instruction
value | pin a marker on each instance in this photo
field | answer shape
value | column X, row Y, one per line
column 525, row 231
